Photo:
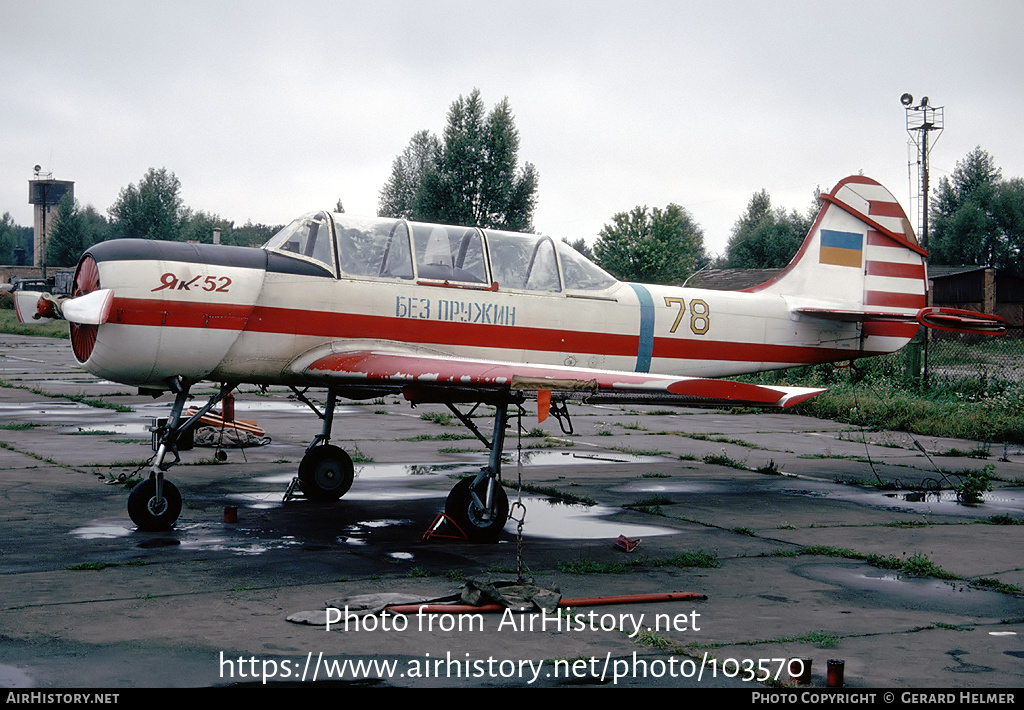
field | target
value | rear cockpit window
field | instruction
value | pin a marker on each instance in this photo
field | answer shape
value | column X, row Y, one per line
column 581, row 274
column 523, row 261
column 446, row 253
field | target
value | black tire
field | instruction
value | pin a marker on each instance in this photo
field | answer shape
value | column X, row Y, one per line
column 152, row 514
column 325, row 473
column 461, row 509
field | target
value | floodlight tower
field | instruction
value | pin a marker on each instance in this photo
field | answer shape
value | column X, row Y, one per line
column 922, row 120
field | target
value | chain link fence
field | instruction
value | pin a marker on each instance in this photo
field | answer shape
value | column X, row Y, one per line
column 946, row 359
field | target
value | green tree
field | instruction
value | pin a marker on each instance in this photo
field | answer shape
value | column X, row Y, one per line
column 199, row 228
column 471, row 177
column 68, row 237
column 651, row 245
column 765, row 238
column 581, row 246
column 398, row 196
column 977, row 217
column 253, row 235
column 9, row 233
column 153, row 210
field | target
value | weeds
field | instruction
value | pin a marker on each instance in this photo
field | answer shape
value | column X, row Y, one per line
column 974, row 485
column 442, row 418
column 724, row 460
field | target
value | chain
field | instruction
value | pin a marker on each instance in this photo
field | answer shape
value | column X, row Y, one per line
column 519, row 502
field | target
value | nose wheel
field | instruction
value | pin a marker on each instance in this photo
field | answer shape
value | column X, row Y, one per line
column 325, row 473
column 152, row 511
column 467, row 506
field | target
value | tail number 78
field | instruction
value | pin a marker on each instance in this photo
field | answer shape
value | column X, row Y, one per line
column 700, row 314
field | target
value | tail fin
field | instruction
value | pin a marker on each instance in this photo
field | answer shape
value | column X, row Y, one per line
column 861, row 262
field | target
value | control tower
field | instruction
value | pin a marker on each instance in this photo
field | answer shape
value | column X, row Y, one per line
column 44, row 192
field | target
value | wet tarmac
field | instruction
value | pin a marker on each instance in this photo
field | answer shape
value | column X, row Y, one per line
column 803, row 556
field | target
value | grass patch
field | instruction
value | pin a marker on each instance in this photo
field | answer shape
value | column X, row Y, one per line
column 720, row 440
column 638, row 452
column 917, row 564
column 592, row 567
column 80, row 398
column 700, row 558
column 877, row 395
column 358, row 456
column 9, row 323
column 96, row 566
column 438, row 437
column 653, row 500
column 723, row 460
column 442, row 418
column 996, row 585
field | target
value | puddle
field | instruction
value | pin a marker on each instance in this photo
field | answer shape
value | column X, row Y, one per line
column 259, row 501
column 206, row 537
column 190, row 536
column 654, row 485
column 561, row 521
column 13, row 677
column 358, row 534
column 917, row 593
column 101, row 532
column 554, row 457
column 1000, row 501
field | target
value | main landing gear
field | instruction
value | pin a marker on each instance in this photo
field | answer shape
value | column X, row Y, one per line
column 155, row 504
column 325, row 472
column 478, row 506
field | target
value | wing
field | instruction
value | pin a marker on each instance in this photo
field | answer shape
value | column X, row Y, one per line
column 432, row 377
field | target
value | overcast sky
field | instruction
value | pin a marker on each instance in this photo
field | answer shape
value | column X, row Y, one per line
column 266, row 110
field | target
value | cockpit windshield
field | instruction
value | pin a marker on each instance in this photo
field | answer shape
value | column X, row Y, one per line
column 384, row 248
column 308, row 237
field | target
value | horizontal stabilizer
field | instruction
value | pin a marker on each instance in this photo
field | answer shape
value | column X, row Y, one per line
column 366, row 368
column 961, row 321
column 950, row 319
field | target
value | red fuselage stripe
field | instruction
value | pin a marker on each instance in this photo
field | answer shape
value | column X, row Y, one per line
column 286, row 321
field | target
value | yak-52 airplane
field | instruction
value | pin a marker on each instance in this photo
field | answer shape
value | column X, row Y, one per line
column 457, row 315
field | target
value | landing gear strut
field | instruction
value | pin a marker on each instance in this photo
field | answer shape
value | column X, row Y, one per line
column 155, row 504
column 479, row 505
column 325, row 472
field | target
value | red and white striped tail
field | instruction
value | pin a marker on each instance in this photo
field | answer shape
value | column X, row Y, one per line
column 860, row 262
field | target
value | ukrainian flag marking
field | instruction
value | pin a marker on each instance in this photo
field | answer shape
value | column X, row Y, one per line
column 841, row 248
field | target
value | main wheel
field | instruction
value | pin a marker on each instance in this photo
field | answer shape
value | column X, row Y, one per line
column 326, row 473
column 473, row 518
column 151, row 513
